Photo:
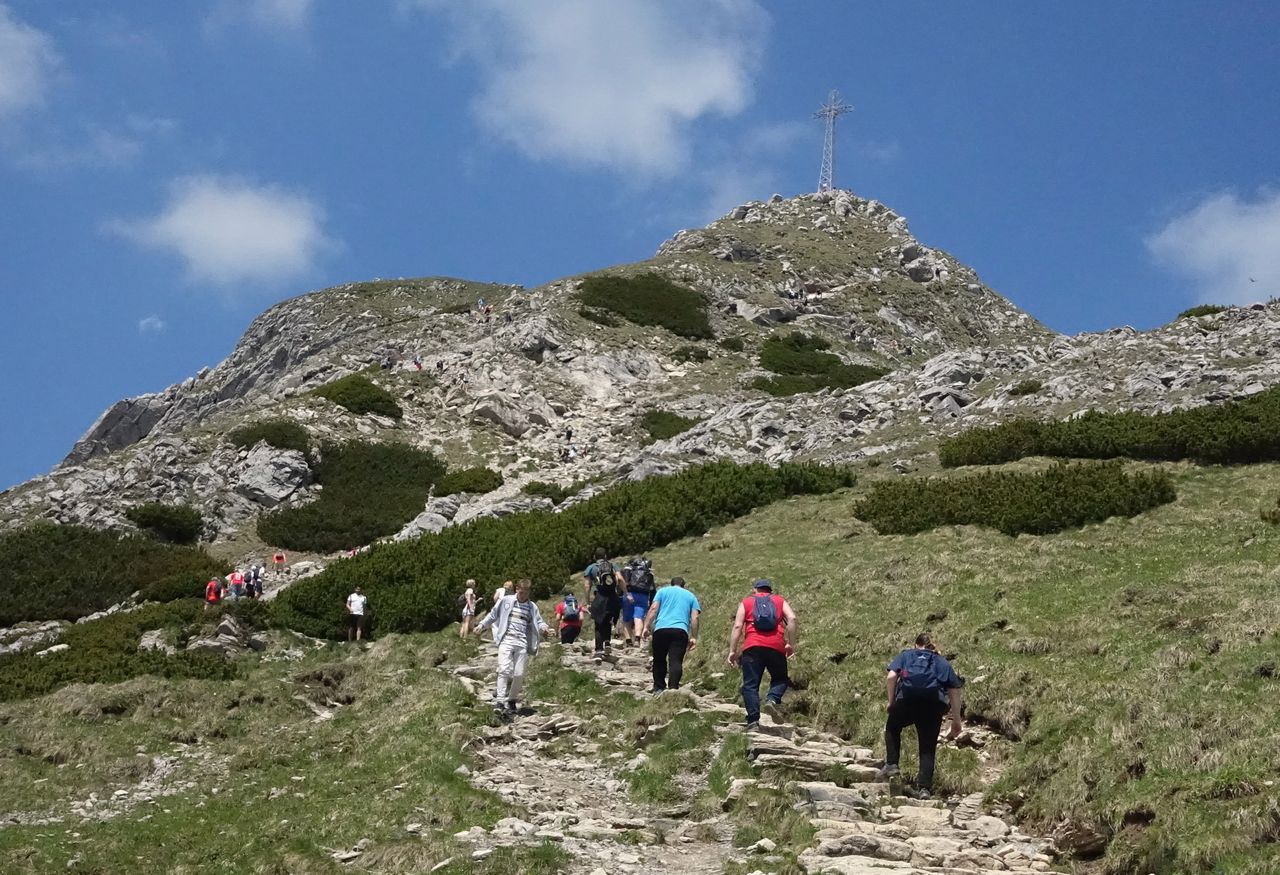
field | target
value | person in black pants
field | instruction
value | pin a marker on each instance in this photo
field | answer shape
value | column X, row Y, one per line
column 922, row 687
column 603, row 592
column 672, row 620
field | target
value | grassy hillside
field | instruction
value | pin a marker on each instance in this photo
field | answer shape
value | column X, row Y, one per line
column 1131, row 666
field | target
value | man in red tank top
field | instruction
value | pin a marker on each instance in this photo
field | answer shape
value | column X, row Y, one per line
column 769, row 641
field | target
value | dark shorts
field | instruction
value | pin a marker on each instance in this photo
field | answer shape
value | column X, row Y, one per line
column 569, row 634
column 356, row 621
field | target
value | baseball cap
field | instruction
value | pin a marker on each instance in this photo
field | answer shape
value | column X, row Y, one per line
column 763, row 583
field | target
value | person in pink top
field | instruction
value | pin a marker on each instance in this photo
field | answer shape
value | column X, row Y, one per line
column 763, row 639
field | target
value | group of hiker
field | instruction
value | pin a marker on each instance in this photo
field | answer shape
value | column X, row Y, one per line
column 242, row 583
column 922, row 688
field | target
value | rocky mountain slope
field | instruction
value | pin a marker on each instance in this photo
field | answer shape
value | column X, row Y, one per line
column 503, row 391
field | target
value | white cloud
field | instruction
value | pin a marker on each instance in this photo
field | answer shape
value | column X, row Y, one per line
column 277, row 15
column 612, row 84
column 1227, row 247
column 230, row 231
column 152, row 325
column 28, row 62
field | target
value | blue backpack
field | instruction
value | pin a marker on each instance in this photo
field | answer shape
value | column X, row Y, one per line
column 764, row 614
column 919, row 678
column 570, row 608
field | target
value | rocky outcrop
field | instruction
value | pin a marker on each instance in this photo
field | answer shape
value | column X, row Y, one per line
column 120, row 425
column 269, row 476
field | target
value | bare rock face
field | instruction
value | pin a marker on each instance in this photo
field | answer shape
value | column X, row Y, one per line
column 270, row 476
column 120, row 425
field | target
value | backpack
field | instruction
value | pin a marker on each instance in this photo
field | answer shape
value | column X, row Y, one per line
column 642, row 576
column 570, row 608
column 605, row 572
column 764, row 613
column 919, row 679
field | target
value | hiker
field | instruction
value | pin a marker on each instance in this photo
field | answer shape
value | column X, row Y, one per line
column 499, row 594
column 569, row 618
column 922, row 686
column 603, row 592
column 357, row 605
column 468, row 608
column 672, row 619
column 258, row 573
column 212, row 592
column 236, row 579
column 277, row 563
column 518, row 626
column 640, row 589
column 769, row 641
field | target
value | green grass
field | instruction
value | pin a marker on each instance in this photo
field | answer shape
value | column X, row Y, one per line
column 649, row 299
column 1125, row 661
column 359, row 395
column 663, row 424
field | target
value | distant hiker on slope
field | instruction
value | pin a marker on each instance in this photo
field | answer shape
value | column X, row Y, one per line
column 236, row 579
column 518, row 627
column 673, row 621
column 277, row 563
column 212, row 593
column 468, row 608
column 603, row 592
column 357, row 609
column 921, row 685
column 763, row 639
column 569, row 618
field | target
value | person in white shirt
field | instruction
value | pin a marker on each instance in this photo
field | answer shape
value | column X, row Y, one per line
column 518, row 627
column 357, row 605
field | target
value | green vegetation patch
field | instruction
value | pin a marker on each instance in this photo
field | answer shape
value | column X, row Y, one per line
column 106, row 651
column 649, row 299
column 283, row 434
column 663, row 424
column 367, row 491
column 803, row 364
column 1236, row 432
column 553, row 491
column 469, row 480
column 1026, row 387
column 360, row 395
column 1035, row 503
column 691, row 353
column 413, row 586
column 733, row 344
column 1201, row 310
column 50, row 572
column 175, row 523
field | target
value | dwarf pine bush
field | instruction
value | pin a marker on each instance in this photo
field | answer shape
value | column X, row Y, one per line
column 360, row 395
column 803, row 364
column 54, row 572
column 413, row 585
column 649, row 299
column 1201, row 310
column 1035, row 503
column 1236, row 432
column 469, row 480
column 367, row 491
column 663, row 424
column 175, row 523
column 283, row 434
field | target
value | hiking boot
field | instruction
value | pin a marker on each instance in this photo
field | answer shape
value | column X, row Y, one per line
column 659, row 692
column 598, row 656
column 500, row 709
column 753, row 726
column 774, row 710
column 890, row 770
column 512, row 706
column 918, row 793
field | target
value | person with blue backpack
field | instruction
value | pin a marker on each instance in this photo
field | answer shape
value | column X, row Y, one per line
column 765, row 630
column 922, row 687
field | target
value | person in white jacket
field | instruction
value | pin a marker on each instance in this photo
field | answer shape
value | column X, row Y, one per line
column 518, row 627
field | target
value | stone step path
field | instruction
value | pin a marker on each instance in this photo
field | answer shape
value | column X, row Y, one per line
column 550, row 764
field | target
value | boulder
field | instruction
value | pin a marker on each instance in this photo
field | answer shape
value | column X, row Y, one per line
column 228, row 639
column 156, row 639
column 495, row 408
column 269, row 476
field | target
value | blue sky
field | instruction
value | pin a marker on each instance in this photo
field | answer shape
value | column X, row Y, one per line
column 169, row 170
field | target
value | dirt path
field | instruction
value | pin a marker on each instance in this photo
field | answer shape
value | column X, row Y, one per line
column 549, row 763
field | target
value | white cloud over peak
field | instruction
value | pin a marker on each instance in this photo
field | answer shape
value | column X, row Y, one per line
column 1228, row 247
column 228, row 230
column 152, row 325
column 612, row 84
column 28, row 61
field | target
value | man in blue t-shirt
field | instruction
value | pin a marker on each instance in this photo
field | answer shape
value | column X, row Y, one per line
column 673, row 621
column 922, row 687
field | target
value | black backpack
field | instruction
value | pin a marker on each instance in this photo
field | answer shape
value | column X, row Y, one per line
column 605, row 572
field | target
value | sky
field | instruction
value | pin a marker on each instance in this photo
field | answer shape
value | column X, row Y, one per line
column 169, row 170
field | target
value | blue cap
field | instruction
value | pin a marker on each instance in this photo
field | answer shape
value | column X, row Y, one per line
column 763, row 583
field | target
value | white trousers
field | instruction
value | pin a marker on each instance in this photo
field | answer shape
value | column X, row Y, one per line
column 512, row 660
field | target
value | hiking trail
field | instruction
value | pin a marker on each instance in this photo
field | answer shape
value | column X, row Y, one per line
column 550, row 763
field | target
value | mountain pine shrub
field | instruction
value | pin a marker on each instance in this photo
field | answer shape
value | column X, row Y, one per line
column 174, row 523
column 1026, row 387
column 106, row 651
column 552, row 491
column 413, row 585
column 1237, row 432
column 803, row 364
column 1201, row 310
column 51, row 572
column 367, row 491
column 469, row 480
column 733, row 344
column 691, row 353
column 283, row 434
column 663, row 424
column 649, row 299
column 360, row 395
column 1034, row 503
